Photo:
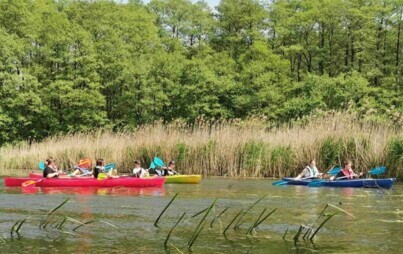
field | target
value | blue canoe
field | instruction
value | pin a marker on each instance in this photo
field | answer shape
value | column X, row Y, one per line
column 384, row 183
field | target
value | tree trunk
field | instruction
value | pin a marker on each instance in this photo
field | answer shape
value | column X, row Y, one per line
column 299, row 67
column 322, row 46
column 330, row 62
column 398, row 71
column 398, row 40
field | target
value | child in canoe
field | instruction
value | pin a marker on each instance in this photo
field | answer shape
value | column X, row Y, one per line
column 347, row 172
column 99, row 170
column 51, row 170
column 138, row 171
column 167, row 171
column 310, row 172
column 83, row 168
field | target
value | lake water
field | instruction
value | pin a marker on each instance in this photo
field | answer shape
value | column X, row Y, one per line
column 122, row 220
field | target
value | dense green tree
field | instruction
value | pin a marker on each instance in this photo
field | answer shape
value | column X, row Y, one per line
column 72, row 65
column 240, row 23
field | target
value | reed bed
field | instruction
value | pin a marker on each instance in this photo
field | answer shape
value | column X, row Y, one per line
column 233, row 148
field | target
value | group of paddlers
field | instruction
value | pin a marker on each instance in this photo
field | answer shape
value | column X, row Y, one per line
column 101, row 170
column 345, row 173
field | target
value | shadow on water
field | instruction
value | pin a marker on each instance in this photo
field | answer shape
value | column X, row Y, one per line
column 121, row 220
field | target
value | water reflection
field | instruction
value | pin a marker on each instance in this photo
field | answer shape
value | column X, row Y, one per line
column 118, row 191
column 376, row 228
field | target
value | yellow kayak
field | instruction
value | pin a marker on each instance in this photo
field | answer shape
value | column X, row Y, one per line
column 183, row 179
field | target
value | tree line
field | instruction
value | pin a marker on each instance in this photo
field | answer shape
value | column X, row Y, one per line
column 71, row 66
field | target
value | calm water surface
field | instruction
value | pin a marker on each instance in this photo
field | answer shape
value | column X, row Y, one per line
column 122, row 220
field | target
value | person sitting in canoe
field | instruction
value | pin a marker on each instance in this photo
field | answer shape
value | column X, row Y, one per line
column 310, row 171
column 347, row 172
column 99, row 170
column 138, row 171
column 51, row 170
column 167, row 171
column 83, row 168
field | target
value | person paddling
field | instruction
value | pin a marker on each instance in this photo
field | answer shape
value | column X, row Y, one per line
column 51, row 170
column 138, row 171
column 167, row 171
column 310, row 171
column 347, row 172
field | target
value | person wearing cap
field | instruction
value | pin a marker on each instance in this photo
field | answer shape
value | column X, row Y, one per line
column 138, row 171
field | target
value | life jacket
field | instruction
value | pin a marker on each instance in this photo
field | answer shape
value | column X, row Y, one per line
column 98, row 170
column 139, row 172
column 348, row 173
column 313, row 172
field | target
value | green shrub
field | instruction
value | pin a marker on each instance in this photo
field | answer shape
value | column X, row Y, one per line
column 329, row 152
column 394, row 157
column 282, row 159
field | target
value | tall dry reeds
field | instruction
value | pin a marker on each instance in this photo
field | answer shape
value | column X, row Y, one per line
column 233, row 148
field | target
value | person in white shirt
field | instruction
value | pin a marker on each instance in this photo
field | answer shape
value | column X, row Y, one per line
column 138, row 171
column 310, row 171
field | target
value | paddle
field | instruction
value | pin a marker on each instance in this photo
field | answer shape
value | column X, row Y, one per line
column 41, row 165
column 160, row 163
column 284, row 182
column 30, row 183
column 278, row 183
column 156, row 162
column 374, row 171
column 334, row 171
column 377, row 170
column 109, row 166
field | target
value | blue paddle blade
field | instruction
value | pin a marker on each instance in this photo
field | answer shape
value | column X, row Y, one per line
column 41, row 165
column 152, row 165
column 316, row 183
column 334, row 171
column 377, row 170
column 277, row 183
column 158, row 162
column 109, row 166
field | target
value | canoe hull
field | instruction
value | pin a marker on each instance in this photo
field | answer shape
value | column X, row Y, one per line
column 384, row 183
column 192, row 179
column 87, row 182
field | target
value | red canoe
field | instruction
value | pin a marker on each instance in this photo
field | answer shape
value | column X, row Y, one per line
column 87, row 182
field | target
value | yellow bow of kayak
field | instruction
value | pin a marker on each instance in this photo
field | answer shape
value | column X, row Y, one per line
column 183, row 179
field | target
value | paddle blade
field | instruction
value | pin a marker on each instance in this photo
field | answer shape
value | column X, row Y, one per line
column 41, row 165
column 152, row 165
column 334, row 171
column 278, row 183
column 378, row 170
column 30, row 183
column 158, row 162
column 316, row 183
column 109, row 166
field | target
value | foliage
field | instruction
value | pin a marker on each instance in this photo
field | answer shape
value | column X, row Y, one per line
column 72, row 66
column 394, row 156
